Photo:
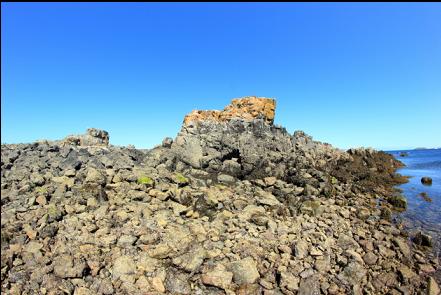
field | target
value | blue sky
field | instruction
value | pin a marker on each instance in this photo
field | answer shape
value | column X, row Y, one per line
column 366, row 74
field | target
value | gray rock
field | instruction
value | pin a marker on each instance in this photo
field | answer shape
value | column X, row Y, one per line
column 64, row 267
column 300, row 249
column 370, row 258
column 309, row 286
column 224, row 178
column 192, row 260
column 167, row 142
column 352, row 274
column 177, row 282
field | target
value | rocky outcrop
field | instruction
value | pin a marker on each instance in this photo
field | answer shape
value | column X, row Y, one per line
column 235, row 206
column 246, row 108
column 93, row 137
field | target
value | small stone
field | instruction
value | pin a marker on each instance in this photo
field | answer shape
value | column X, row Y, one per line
column 167, row 142
column 301, row 249
column 403, row 246
column 352, row 274
column 92, row 202
column 289, row 281
column 123, row 265
column 244, row 271
column 364, row 213
column 309, row 286
column 322, row 265
column 398, row 201
column 269, row 181
column 426, row 180
column 158, row 285
column 64, row 267
column 315, row 252
column 41, row 200
column 218, row 278
column 192, row 260
column 423, row 239
column 33, row 247
column 160, row 251
column 126, row 241
column 95, row 176
column 370, row 258
column 82, row 291
column 406, row 274
column 227, row 179
column 177, row 282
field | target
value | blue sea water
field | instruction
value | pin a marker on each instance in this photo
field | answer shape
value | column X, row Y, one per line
column 422, row 214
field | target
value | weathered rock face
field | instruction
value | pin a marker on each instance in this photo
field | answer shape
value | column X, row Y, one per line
column 242, row 142
column 246, row 108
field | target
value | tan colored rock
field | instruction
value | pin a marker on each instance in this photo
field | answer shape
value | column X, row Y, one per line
column 41, row 200
column 432, row 287
column 247, row 108
column 244, row 271
column 158, row 285
column 218, row 277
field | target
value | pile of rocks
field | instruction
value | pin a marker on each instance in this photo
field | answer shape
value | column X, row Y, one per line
column 230, row 206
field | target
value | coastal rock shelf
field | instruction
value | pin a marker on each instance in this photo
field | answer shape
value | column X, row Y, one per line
column 233, row 205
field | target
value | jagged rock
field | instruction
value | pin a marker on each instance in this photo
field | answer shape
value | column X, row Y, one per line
column 218, row 277
column 93, row 137
column 247, row 108
column 123, row 265
column 167, row 142
column 352, row 274
column 432, row 287
column 309, row 286
column 64, row 267
column 423, row 239
column 192, row 260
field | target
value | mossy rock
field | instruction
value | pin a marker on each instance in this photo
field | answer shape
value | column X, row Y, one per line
column 41, row 190
column 145, row 180
column 398, row 201
column 180, row 179
column 54, row 213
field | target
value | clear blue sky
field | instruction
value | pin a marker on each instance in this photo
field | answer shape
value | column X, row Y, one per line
column 348, row 74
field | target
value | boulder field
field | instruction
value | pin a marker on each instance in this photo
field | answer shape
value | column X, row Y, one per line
column 233, row 205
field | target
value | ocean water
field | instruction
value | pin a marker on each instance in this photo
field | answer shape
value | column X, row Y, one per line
column 422, row 214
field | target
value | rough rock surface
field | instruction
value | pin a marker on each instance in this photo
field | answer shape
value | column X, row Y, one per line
column 230, row 206
column 93, row 137
column 246, row 108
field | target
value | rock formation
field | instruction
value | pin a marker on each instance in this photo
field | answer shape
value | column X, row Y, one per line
column 93, row 137
column 232, row 205
column 246, row 108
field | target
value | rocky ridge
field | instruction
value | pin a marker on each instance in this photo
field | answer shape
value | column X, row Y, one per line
column 232, row 205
